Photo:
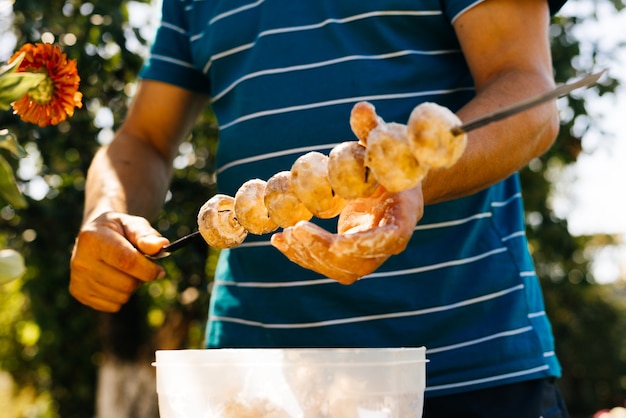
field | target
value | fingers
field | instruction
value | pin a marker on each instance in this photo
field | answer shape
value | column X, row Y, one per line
column 310, row 246
column 115, row 240
column 379, row 242
column 102, row 288
column 378, row 226
column 141, row 235
column 297, row 249
column 370, row 230
column 106, row 266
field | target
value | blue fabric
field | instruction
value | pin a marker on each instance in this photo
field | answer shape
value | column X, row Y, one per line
column 532, row 398
column 283, row 77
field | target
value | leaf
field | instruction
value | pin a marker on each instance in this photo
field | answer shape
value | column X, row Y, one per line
column 10, row 68
column 15, row 85
column 9, row 142
column 8, row 186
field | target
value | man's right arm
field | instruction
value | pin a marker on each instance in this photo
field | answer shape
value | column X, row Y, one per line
column 126, row 185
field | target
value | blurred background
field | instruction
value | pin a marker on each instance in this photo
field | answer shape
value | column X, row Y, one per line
column 60, row 359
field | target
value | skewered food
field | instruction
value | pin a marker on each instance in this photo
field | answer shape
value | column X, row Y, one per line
column 310, row 177
column 430, row 137
column 347, row 173
column 392, row 155
column 363, row 119
column 282, row 203
column 391, row 160
column 250, row 210
column 217, row 222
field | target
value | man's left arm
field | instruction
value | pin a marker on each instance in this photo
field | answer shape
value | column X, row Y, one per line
column 508, row 51
column 507, row 47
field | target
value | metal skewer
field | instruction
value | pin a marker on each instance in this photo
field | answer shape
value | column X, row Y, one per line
column 526, row 104
column 479, row 122
column 176, row 245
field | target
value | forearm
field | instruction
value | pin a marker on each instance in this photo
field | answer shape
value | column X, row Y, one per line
column 131, row 174
column 498, row 150
column 127, row 176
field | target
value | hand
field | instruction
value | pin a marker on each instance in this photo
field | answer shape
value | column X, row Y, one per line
column 108, row 262
column 369, row 231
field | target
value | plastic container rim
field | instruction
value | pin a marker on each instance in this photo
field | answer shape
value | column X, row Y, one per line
column 286, row 362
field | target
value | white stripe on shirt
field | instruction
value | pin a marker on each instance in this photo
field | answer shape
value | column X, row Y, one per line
column 536, row 314
column 514, row 235
column 489, row 379
column 367, row 318
column 171, row 60
column 326, row 63
column 260, row 157
column 479, row 340
column 175, row 28
column 416, row 270
column 455, row 222
column 235, row 11
column 419, row 227
column 307, row 106
column 293, row 29
column 445, row 264
column 506, row 202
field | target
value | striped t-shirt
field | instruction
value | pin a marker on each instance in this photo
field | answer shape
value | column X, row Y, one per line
column 283, row 76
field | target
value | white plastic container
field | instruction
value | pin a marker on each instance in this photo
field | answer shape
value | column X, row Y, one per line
column 291, row 383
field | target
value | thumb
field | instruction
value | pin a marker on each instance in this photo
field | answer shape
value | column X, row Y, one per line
column 143, row 236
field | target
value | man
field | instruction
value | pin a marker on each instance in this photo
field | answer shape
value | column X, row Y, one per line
column 282, row 77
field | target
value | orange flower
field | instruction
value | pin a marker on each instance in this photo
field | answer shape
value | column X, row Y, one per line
column 56, row 97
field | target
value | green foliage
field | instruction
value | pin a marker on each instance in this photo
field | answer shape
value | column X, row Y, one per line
column 8, row 185
column 14, row 85
column 67, row 340
column 62, row 359
column 588, row 319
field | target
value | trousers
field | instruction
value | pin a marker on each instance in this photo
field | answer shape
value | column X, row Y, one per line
column 531, row 399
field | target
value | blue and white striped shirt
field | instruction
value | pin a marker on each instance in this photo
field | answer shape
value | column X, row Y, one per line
column 283, row 76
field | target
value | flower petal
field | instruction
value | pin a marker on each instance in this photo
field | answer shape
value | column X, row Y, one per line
column 64, row 97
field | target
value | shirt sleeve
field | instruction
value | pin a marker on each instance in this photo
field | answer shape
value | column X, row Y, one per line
column 455, row 8
column 170, row 59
